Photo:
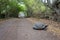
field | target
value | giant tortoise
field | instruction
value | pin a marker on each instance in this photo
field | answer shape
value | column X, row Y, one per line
column 40, row 26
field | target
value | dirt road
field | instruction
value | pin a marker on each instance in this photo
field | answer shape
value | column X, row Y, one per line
column 21, row 29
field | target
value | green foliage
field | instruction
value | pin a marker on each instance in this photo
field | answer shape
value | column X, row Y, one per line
column 36, row 6
column 21, row 7
column 43, row 8
column 7, row 7
column 10, row 8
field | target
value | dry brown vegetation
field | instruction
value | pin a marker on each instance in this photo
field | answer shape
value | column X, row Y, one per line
column 53, row 27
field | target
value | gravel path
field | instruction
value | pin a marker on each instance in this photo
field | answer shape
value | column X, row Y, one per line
column 21, row 29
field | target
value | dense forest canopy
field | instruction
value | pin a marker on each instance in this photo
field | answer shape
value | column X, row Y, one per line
column 10, row 8
column 49, row 9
